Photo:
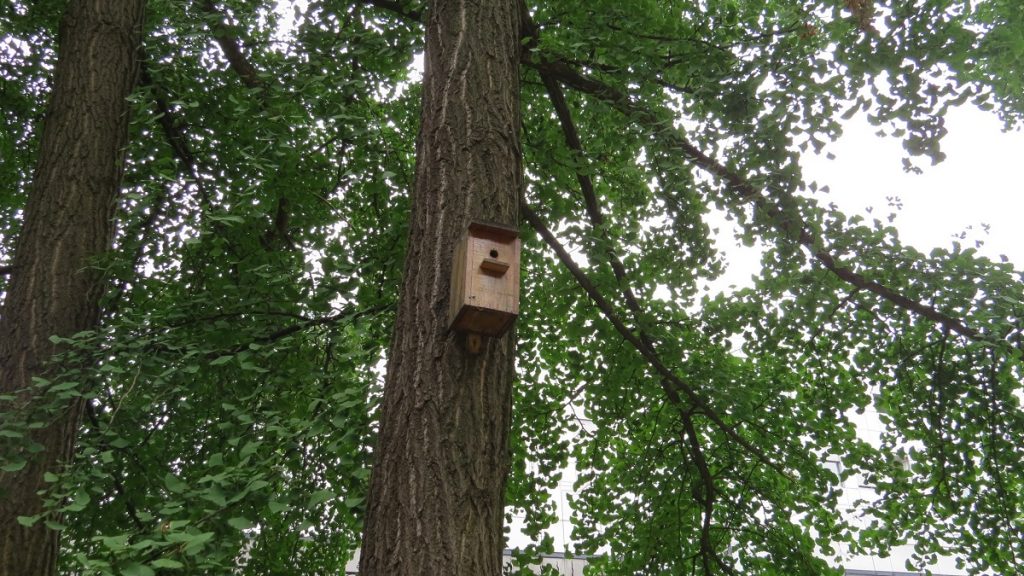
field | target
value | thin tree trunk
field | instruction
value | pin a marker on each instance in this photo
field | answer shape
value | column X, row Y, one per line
column 436, row 501
column 68, row 221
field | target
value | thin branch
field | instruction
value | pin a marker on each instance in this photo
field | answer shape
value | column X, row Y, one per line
column 346, row 314
column 707, row 499
column 593, row 209
column 133, row 512
column 832, row 314
column 768, row 35
column 397, row 8
column 143, row 228
column 231, row 47
column 707, row 548
column 741, row 189
column 175, row 135
column 572, row 140
column 671, row 384
column 6, row 270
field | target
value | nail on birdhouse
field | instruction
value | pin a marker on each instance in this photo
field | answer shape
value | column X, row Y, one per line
column 485, row 280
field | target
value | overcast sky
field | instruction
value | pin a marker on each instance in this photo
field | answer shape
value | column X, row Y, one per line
column 981, row 181
column 978, row 183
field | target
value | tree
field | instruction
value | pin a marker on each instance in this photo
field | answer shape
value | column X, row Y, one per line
column 441, row 457
column 54, row 288
column 231, row 395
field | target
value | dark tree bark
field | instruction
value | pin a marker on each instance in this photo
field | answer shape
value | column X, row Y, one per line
column 68, row 221
column 436, row 502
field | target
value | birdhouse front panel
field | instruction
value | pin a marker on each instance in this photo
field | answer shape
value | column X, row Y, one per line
column 485, row 280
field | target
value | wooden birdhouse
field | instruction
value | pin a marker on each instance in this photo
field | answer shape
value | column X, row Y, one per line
column 485, row 280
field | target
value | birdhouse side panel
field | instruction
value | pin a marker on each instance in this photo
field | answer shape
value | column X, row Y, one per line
column 459, row 282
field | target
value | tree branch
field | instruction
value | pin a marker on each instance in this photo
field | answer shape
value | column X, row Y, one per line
column 671, row 384
column 231, row 47
column 6, row 270
column 593, row 208
column 175, row 135
column 397, row 8
column 741, row 191
column 707, row 500
column 688, row 432
column 129, row 505
column 572, row 140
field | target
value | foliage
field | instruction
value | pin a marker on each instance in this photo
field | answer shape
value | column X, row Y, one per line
column 232, row 386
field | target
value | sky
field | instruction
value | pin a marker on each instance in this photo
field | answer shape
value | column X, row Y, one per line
column 981, row 182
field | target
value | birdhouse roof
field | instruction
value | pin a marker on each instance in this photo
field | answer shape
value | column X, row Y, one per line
column 497, row 232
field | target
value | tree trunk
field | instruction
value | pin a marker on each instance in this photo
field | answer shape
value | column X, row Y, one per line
column 436, row 502
column 68, row 221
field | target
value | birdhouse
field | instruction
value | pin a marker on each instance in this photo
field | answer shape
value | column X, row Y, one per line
column 485, row 280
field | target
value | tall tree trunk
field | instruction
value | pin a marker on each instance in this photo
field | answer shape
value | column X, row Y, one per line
column 67, row 222
column 437, row 489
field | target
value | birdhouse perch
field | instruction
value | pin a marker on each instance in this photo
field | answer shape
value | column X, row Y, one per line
column 485, row 280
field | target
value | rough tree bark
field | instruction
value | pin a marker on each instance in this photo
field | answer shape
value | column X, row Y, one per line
column 68, row 221
column 437, row 489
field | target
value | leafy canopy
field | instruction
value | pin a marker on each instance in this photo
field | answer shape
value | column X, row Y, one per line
column 233, row 383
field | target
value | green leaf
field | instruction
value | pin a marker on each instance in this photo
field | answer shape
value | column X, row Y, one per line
column 79, row 502
column 115, row 543
column 240, row 523
column 174, row 484
column 67, row 385
column 14, row 466
column 319, row 497
column 215, row 494
column 249, row 448
column 195, row 542
column 29, row 521
column 120, row 443
column 136, row 569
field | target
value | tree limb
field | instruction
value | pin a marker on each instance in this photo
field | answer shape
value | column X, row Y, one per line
column 741, row 191
column 572, row 140
column 231, row 47
column 688, row 434
column 707, row 500
column 116, row 478
column 175, row 135
column 397, row 8
column 6, row 270
column 671, row 384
